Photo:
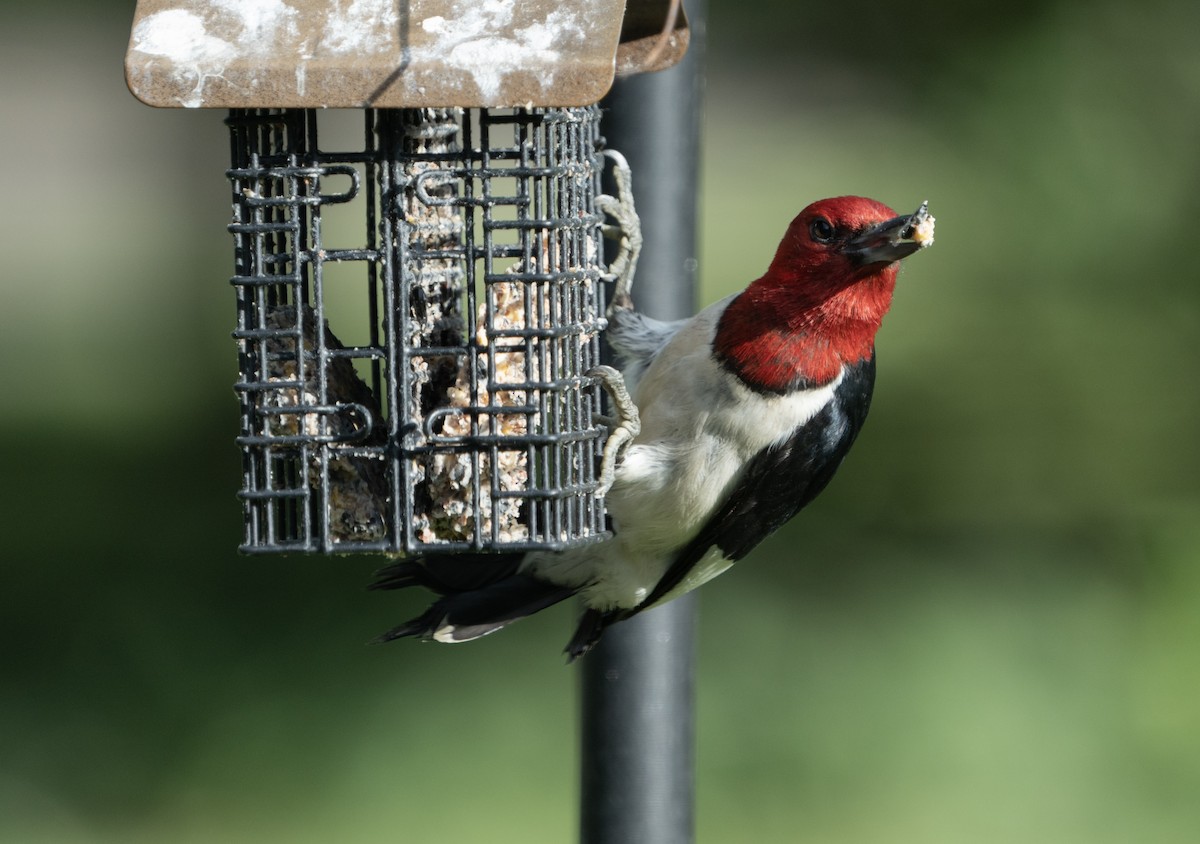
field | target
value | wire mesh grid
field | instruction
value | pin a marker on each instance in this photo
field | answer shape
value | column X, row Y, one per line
column 452, row 409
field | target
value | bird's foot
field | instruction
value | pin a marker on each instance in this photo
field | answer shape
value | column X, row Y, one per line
column 627, row 231
column 621, row 430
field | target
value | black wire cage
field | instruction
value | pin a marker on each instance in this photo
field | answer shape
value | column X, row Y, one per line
column 419, row 309
column 454, row 412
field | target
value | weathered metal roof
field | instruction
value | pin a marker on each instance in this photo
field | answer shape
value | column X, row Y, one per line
column 391, row 53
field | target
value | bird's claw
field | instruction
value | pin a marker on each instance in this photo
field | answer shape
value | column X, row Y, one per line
column 621, row 430
column 627, row 231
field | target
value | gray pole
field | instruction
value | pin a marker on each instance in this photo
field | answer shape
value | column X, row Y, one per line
column 637, row 755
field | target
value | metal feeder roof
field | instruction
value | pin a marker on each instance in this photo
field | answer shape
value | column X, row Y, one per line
column 394, row 53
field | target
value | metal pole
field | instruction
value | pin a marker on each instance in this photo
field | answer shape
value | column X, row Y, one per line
column 637, row 754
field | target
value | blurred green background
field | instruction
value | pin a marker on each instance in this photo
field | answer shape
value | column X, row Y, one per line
column 993, row 633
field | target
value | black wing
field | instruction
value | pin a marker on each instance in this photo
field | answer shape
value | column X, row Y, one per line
column 779, row 482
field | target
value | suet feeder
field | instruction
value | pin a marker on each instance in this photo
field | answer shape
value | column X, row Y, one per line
column 418, row 380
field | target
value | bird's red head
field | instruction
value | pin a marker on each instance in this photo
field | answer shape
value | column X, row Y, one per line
column 824, row 295
column 835, row 245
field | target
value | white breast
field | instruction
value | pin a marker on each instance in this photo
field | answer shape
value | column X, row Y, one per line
column 700, row 426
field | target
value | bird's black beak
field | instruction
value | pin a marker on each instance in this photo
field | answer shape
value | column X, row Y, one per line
column 890, row 241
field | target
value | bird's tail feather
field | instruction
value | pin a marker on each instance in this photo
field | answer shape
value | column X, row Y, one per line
column 477, row 598
column 449, row 573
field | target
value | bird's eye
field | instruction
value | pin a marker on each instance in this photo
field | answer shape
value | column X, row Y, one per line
column 821, row 230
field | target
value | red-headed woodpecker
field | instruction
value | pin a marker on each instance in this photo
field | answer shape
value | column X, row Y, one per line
column 746, row 411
